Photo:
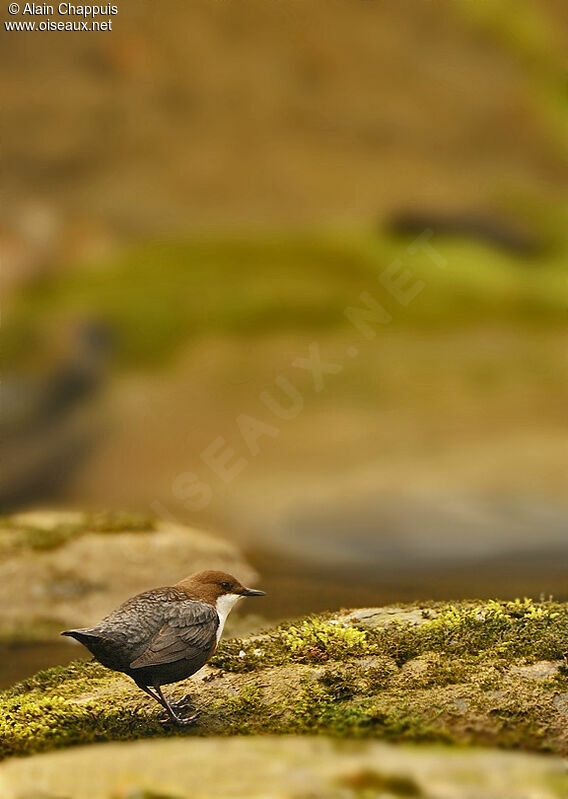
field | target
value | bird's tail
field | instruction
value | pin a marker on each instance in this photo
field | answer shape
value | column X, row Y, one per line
column 83, row 636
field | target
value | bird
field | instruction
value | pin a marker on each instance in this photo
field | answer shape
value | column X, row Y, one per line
column 166, row 634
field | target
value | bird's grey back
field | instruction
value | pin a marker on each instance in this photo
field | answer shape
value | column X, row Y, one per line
column 132, row 625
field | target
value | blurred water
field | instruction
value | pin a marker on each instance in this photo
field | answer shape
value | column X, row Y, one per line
column 18, row 661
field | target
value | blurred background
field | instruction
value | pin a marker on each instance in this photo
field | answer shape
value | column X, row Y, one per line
column 296, row 273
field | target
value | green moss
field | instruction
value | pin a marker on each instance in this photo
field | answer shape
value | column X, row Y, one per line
column 339, row 685
column 37, row 723
column 119, row 522
column 522, row 628
column 454, row 677
column 67, row 705
column 508, row 630
column 66, row 681
column 312, row 640
column 16, row 537
column 379, row 675
column 241, row 714
column 315, row 640
column 26, row 537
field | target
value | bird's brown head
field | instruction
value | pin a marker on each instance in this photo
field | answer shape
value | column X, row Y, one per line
column 210, row 586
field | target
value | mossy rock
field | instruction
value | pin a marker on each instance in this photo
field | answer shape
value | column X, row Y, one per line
column 489, row 673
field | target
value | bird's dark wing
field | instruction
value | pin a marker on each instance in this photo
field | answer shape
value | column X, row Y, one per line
column 188, row 634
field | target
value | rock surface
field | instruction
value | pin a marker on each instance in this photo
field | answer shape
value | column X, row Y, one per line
column 281, row 768
column 63, row 569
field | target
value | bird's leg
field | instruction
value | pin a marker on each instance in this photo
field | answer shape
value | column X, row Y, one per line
column 176, row 719
column 147, row 690
column 154, row 696
column 159, row 698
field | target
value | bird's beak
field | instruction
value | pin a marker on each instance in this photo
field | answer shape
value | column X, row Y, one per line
column 253, row 592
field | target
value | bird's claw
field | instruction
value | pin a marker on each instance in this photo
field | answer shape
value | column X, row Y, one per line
column 187, row 722
column 182, row 703
column 180, row 721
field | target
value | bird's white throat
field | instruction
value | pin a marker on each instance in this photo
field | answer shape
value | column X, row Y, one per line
column 224, row 606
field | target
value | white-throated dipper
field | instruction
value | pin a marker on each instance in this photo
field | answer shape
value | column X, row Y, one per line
column 166, row 634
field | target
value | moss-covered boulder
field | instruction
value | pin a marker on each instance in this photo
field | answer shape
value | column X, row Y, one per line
column 61, row 569
column 489, row 673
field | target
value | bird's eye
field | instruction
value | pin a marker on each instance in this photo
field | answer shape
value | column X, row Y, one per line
column 226, row 586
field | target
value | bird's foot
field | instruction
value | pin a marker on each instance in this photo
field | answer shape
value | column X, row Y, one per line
column 183, row 703
column 187, row 721
column 180, row 721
